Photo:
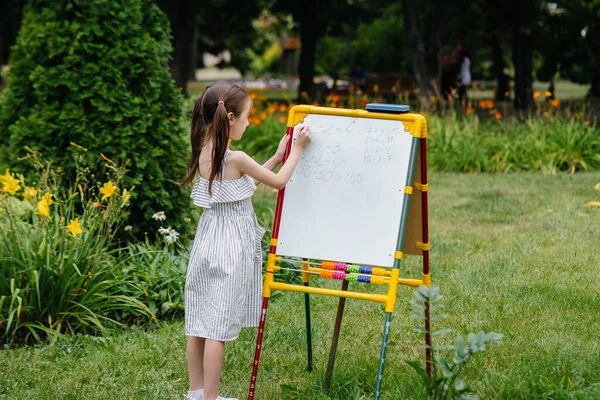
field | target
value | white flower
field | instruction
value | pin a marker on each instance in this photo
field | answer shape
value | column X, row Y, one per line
column 160, row 216
column 164, row 231
column 172, row 236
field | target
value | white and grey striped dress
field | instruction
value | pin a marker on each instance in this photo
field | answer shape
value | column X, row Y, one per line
column 224, row 281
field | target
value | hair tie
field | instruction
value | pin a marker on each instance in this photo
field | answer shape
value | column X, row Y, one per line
column 220, row 102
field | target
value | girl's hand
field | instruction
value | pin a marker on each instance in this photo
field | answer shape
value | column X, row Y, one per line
column 303, row 138
column 282, row 146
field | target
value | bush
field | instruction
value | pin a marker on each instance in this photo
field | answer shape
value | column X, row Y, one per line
column 57, row 273
column 548, row 145
column 96, row 74
column 544, row 144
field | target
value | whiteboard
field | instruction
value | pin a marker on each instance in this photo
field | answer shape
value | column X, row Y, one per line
column 344, row 200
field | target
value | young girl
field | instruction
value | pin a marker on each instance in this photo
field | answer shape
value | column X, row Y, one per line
column 223, row 283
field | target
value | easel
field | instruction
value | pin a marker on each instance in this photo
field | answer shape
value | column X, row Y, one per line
column 417, row 243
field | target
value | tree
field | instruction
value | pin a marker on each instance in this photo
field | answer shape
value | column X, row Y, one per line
column 96, row 75
column 182, row 15
column 424, row 22
column 569, row 41
column 522, row 25
column 315, row 19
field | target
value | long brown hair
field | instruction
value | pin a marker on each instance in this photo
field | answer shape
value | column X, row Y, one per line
column 210, row 122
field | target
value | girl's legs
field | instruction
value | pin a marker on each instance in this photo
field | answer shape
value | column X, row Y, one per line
column 214, row 353
column 195, row 359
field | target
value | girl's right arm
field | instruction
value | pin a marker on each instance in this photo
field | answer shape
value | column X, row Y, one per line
column 248, row 166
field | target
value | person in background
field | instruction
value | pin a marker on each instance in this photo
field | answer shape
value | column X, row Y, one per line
column 358, row 76
column 465, row 75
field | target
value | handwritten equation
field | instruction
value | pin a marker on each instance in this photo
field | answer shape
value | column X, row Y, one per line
column 338, row 150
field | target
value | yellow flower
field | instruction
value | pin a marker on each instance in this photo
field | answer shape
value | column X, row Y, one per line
column 11, row 187
column 548, row 93
column 74, row 227
column 593, row 204
column 29, row 193
column 9, row 184
column 126, row 197
column 5, row 177
column 43, row 209
column 97, row 204
column 536, row 95
column 47, row 199
column 108, row 190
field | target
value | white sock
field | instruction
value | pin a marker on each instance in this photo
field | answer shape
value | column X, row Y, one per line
column 196, row 394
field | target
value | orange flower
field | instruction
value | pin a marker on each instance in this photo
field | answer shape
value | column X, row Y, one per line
column 272, row 108
column 282, row 107
column 486, row 104
column 263, row 115
column 282, row 120
column 253, row 95
column 536, row 95
column 548, row 93
column 469, row 111
column 555, row 103
column 498, row 116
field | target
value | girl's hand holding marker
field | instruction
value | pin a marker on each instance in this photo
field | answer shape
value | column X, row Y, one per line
column 302, row 136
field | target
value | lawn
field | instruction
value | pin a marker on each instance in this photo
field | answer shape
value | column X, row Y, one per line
column 516, row 254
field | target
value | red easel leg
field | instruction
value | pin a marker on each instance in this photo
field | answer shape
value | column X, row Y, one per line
column 261, row 329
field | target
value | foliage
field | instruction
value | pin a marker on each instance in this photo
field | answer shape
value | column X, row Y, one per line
column 97, row 75
column 57, row 272
column 445, row 381
column 157, row 272
column 548, row 144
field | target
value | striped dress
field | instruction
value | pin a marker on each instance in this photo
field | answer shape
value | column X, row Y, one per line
column 224, row 282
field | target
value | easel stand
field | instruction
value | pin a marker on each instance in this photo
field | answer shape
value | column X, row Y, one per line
column 416, row 182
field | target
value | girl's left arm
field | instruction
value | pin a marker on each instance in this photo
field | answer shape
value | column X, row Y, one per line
column 274, row 161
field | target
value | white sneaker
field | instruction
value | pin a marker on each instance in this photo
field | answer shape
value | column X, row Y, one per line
column 195, row 396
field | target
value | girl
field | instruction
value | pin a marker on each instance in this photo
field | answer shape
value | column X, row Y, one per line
column 223, row 283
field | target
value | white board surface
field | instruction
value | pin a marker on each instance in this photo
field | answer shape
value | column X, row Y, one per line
column 344, row 200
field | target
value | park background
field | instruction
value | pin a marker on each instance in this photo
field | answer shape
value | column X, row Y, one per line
column 95, row 231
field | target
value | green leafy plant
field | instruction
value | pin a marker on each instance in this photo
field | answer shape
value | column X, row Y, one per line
column 157, row 269
column 445, row 382
column 57, row 269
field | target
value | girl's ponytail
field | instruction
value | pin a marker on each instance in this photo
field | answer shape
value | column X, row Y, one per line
column 197, row 138
column 210, row 121
column 220, row 138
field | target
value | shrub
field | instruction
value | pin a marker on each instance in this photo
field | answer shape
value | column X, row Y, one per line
column 96, row 74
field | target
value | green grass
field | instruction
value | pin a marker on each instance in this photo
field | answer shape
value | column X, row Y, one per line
column 515, row 253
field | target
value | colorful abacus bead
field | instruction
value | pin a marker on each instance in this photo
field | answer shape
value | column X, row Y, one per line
column 364, row 269
column 353, row 268
column 352, row 277
column 364, row 279
column 340, row 266
column 328, row 265
column 339, row 275
column 326, row 274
